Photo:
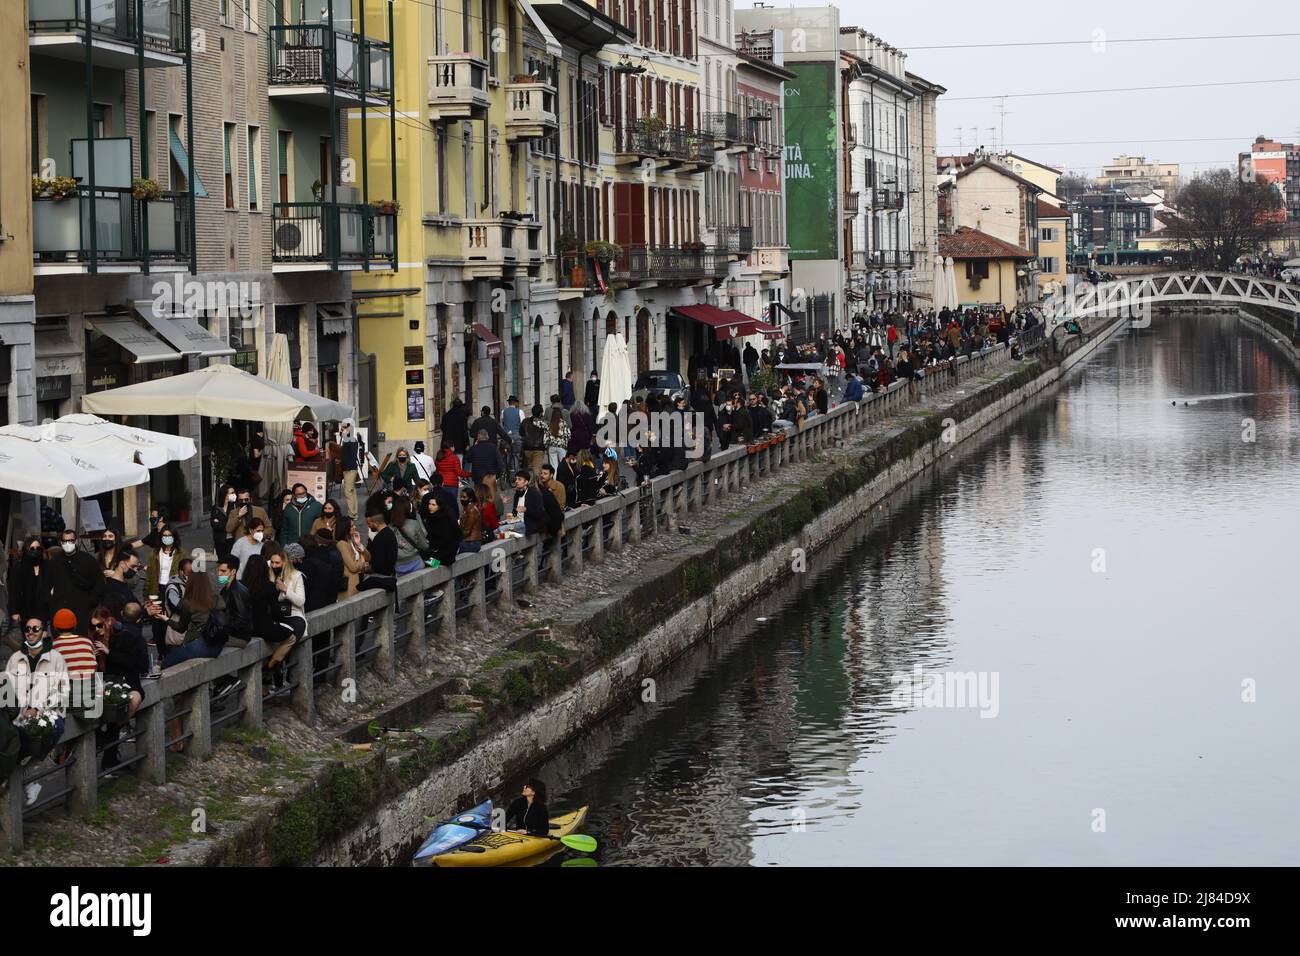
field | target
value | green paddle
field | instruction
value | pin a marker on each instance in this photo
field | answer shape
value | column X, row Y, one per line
column 580, row 861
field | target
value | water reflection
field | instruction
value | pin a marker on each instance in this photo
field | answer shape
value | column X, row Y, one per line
column 1120, row 559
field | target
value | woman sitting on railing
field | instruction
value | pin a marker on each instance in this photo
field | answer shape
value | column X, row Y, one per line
column 356, row 559
column 412, row 542
column 471, row 523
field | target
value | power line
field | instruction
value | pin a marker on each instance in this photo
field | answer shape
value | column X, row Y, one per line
column 1123, row 89
column 1103, row 41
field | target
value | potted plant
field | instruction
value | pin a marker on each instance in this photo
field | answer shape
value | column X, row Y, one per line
column 389, row 207
column 146, row 189
column 316, row 189
column 650, row 125
column 603, row 251
column 40, row 731
column 568, row 241
column 117, row 697
column 56, row 188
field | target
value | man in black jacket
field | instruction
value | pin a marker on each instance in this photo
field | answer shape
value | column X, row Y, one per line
column 484, row 458
column 324, row 568
column 234, row 602
column 383, row 551
column 73, row 578
column 486, row 423
column 528, row 502
column 455, row 426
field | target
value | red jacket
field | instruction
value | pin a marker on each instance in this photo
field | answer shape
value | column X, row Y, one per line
column 301, row 449
column 449, row 467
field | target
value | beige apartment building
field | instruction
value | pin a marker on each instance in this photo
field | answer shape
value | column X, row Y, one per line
column 1125, row 172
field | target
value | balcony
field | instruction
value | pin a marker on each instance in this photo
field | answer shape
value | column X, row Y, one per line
column 888, row 200
column 666, row 264
column 878, row 259
column 727, row 130
column 496, row 248
column 312, row 64
column 530, row 111
column 58, row 28
column 61, row 231
column 851, row 204
column 638, row 142
column 683, row 147
column 457, row 87
column 319, row 236
column 770, row 262
column 740, row 240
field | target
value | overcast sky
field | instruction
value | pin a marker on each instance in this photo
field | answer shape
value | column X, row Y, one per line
column 1075, row 131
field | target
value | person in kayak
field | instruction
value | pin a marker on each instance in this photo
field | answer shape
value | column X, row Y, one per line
column 527, row 814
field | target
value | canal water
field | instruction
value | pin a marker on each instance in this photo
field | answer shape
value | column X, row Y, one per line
column 1105, row 591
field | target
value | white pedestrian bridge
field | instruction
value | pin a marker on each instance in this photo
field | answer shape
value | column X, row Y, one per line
column 1131, row 295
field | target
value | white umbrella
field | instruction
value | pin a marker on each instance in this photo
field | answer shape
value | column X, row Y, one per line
column 33, row 464
column 615, row 374
column 218, row 391
column 99, row 438
column 950, row 276
column 939, row 295
column 275, row 456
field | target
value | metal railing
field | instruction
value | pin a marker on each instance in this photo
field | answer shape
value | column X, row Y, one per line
column 740, row 239
column 886, row 259
column 851, row 203
column 315, row 55
column 162, row 26
column 61, row 227
column 375, row 629
column 332, row 232
column 640, row 263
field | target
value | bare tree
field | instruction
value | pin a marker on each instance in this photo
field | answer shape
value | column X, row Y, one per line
column 1217, row 218
column 1073, row 185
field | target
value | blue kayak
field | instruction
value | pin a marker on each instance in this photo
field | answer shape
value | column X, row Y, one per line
column 457, row 831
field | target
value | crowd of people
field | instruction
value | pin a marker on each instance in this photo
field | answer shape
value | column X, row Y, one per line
column 129, row 609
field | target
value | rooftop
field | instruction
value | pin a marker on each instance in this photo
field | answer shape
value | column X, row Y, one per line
column 968, row 243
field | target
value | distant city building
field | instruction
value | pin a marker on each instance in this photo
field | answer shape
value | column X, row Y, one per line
column 1125, row 172
column 988, row 270
column 1106, row 228
column 1277, row 163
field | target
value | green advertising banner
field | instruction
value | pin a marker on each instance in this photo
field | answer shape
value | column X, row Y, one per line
column 810, row 140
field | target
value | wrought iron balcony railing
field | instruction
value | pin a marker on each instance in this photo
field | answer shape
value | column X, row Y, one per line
column 324, row 232
column 306, row 55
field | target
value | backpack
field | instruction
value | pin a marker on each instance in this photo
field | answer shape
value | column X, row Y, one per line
column 554, row 513
column 533, row 435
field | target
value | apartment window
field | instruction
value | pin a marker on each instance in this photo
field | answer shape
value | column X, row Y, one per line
column 977, row 270
column 102, row 120
column 228, row 141
column 1047, row 234
column 284, row 150
column 250, row 15
column 254, row 166
column 225, row 12
column 1049, row 263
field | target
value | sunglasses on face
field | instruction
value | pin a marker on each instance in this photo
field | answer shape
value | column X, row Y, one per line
column 96, row 625
column 36, row 629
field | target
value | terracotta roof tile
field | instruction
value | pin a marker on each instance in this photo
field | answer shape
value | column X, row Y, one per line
column 968, row 243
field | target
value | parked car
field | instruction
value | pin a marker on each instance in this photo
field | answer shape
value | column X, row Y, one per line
column 659, row 381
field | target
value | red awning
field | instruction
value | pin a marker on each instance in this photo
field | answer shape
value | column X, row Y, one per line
column 726, row 323
column 487, row 338
column 759, row 327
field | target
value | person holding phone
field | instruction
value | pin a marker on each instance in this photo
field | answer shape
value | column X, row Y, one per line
column 238, row 517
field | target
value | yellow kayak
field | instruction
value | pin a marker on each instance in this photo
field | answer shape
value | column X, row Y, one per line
column 512, row 849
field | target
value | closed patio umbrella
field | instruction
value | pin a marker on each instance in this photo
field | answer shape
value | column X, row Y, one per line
column 615, row 374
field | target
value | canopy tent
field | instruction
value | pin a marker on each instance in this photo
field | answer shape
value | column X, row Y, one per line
column 101, row 439
column 33, row 463
column 218, row 391
column 615, row 374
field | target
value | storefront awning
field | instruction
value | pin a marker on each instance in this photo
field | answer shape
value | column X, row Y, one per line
column 759, row 327
column 487, row 338
column 332, row 319
column 726, row 323
column 183, row 333
column 127, row 333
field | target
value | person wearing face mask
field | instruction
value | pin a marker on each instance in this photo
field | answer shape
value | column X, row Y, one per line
column 106, row 548
column 121, row 580
column 329, row 518
column 249, row 544
column 227, row 501
column 73, row 579
column 301, row 513
column 38, row 681
column 399, row 467
column 27, row 597
column 158, row 572
column 244, row 509
column 157, row 523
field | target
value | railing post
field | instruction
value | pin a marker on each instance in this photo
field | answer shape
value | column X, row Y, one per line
column 616, row 530
column 633, row 525
column 251, row 698
column 385, row 639
column 502, row 563
column 11, row 813
column 151, row 744
column 83, row 775
column 347, row 649
column 302, row 698
column 447, row 612
column 532, row 561
column 598, row 540
column 198, row 722
column 478, row 595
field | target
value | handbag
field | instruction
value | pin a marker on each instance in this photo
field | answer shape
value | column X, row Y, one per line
column 175, row 638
